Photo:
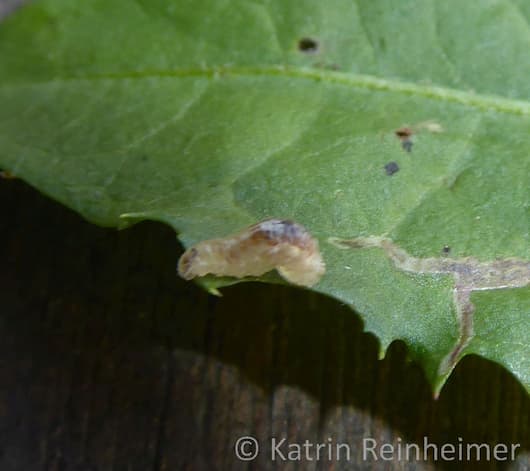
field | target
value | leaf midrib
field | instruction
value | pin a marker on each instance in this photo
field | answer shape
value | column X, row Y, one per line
column 470, row 99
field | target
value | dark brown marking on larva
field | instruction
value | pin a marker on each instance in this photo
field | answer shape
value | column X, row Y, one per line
column 468, row 273
column 283, row 230
column 271, row 244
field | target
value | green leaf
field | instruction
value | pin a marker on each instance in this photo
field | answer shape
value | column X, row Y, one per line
column 212, row 115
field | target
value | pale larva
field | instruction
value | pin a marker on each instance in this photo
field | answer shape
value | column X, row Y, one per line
column 271, row 244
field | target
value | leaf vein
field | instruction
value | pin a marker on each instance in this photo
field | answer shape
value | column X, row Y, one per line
column 489, row 103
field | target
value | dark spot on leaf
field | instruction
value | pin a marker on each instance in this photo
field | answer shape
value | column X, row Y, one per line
column 404, row 135
column 446, row 249
column 391, row 168
column 307, row 45
column 407, row 145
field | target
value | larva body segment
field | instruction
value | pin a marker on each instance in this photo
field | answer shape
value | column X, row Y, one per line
column 271, row 244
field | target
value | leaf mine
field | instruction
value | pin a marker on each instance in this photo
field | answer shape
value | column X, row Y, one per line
column 468, row 273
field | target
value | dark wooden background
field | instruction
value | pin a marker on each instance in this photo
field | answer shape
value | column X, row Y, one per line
column 108, row 361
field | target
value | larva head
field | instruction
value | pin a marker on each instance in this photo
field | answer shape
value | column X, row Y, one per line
column 185, row 265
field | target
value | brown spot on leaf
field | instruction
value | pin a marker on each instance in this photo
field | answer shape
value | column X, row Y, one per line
column 404, row 135
column 308, row 45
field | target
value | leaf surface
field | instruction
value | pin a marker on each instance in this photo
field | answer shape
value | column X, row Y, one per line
column 212, row 115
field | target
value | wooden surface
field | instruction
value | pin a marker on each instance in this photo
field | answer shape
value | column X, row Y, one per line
column 108, row 361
